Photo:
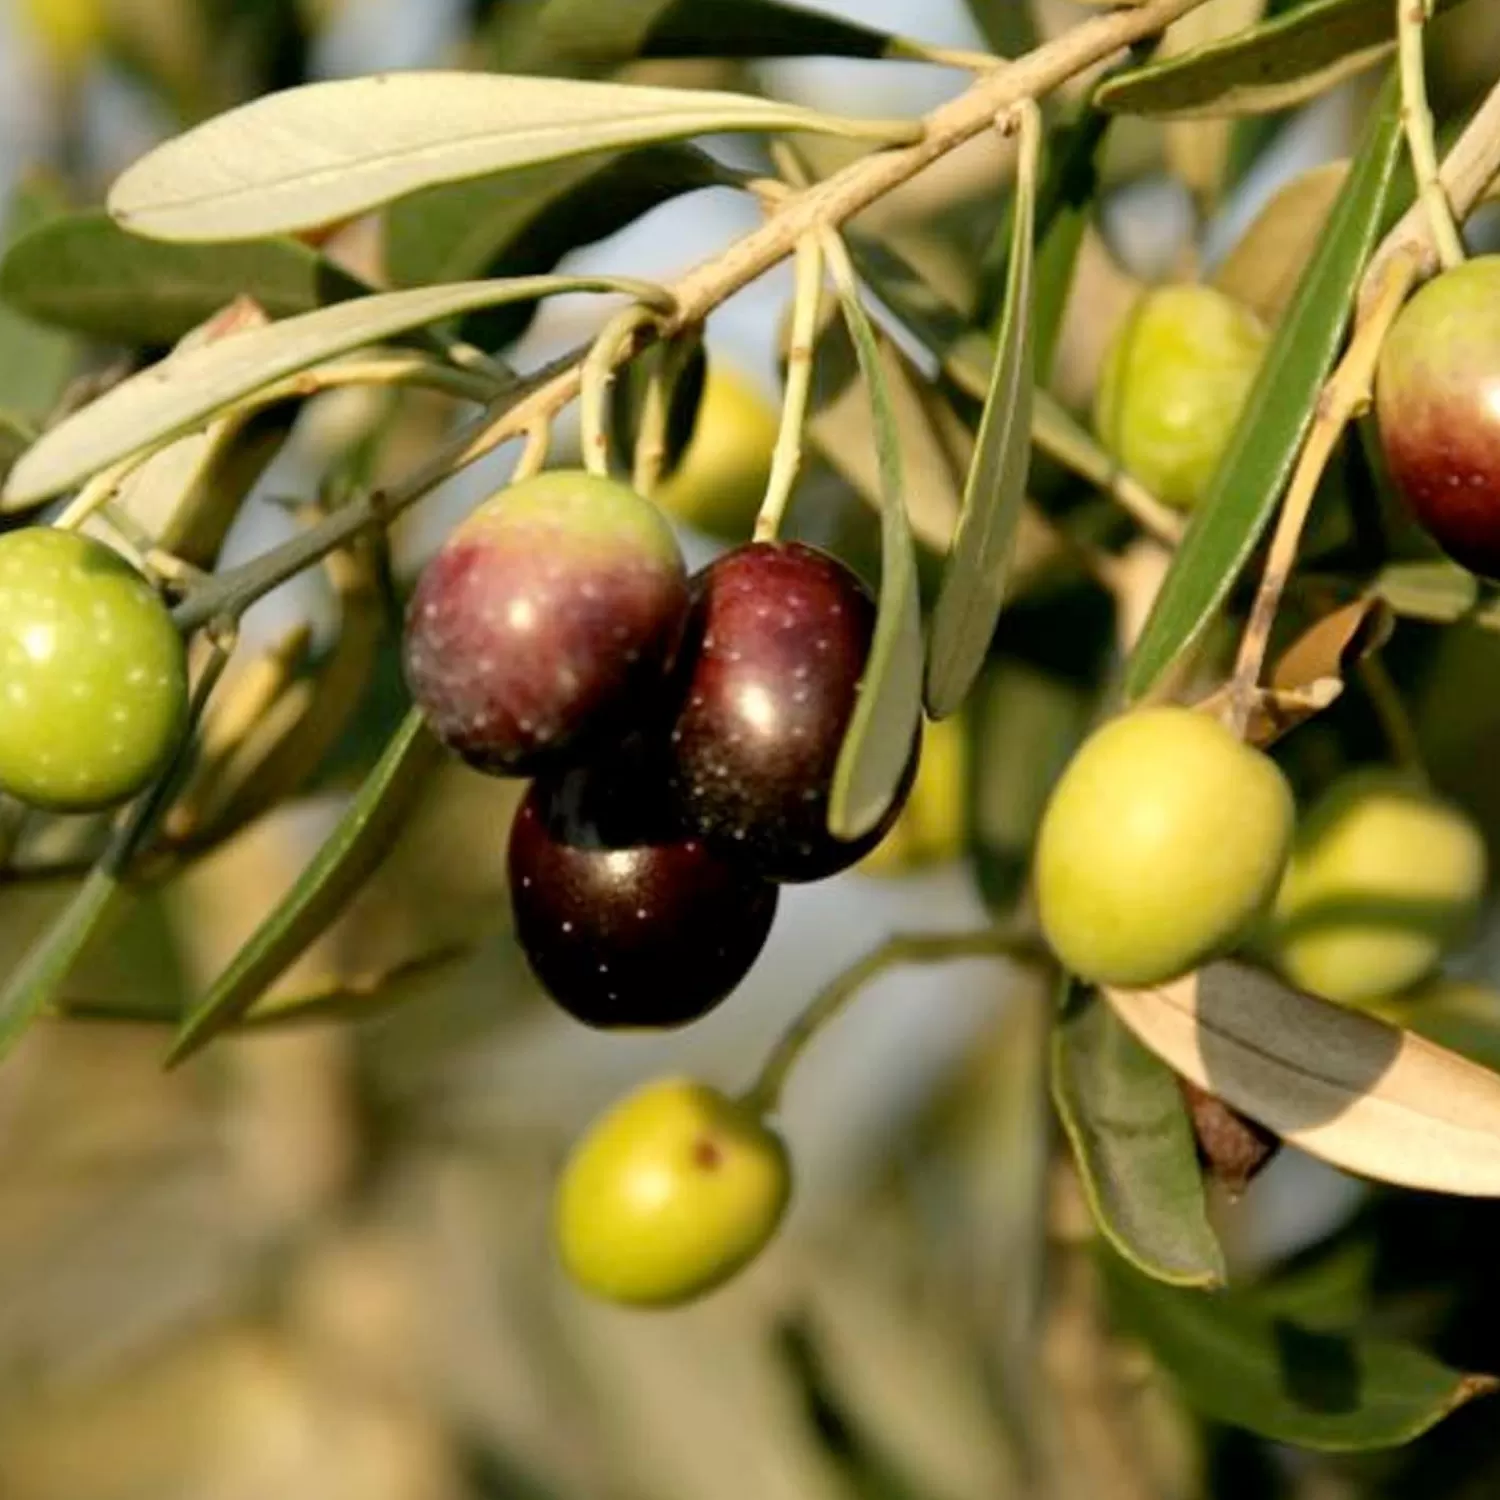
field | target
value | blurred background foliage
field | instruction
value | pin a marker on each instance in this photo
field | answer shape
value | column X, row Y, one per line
column 315, row 1262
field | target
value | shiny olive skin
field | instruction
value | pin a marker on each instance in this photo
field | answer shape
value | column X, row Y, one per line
column 93, row 674
column 776, row 645
column 1437, row 400
column 626, row 918
column 545, row 622
column 668, row 1195
column 1162, row 843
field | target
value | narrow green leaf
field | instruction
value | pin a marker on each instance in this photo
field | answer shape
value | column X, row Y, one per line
column 83, row 272
column 1133, row 1145
column 187, row 387
column 889, row 711
column 1287, row 1382
column 327, row 151
column 578, row 37
column 1009, row 26
column 1250, row 478
column 35, row 981
column 363, row 837
column 16, row 436
column 35, row 362
column 1273, row 66
column 973, row 587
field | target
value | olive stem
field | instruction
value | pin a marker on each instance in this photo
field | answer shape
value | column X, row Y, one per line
column 764, row 1095
column 786, row 459
column 1416, row 120
column 598, row 371
column 1467, row 171
column 1346, row 394
column 825, row 204
column 656, row 415
column 908, row 50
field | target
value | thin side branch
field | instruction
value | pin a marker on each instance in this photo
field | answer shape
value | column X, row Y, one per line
column 1416, row 120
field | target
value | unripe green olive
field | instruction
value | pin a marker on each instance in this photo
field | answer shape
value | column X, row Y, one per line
column 1384, row 876
column 1173, row 385
column 1162, row 843
column 720, row 481
column 93, row 674
column 669, row 1194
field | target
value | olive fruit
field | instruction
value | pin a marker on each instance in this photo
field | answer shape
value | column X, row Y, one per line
column 775, row 648
column 670, row 1193
column 1163, row 841
column 1384, row 876
column 1437, row 400
column 720, row 480
column 1172, row 387
column 535, row 631
column 93, row 673
column 627, row 920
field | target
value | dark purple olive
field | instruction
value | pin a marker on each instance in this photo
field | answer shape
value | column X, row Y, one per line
column 627, row 919
column 545, row 622
column 770, row 672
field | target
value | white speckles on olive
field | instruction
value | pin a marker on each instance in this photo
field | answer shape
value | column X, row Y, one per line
column 85, row 641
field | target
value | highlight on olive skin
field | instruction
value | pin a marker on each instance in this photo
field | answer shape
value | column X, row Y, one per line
column 776, row 646
column 1163, row 841
column 1174, row 383
column 669, row 1194
column 1384, row 878
column 1437, row 399
column 543, row 622
column 625, row 917
column 95, row 674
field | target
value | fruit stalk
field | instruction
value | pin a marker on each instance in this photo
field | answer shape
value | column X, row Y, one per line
column 764, row 1095
column 1416, row 119
column 826, row 205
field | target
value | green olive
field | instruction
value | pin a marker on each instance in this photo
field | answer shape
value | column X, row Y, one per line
column 669, row 1194
column 1163, row 841
column 1384, row 877
column 1173, row 385
column 93, row 674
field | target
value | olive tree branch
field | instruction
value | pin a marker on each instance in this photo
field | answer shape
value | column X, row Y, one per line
column 825, row 205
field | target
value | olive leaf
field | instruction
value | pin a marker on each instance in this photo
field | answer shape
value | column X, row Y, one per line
column 35, row 362
column 877, row 744
column 1280, row 63
column 16, row 436
column 575, row 37
column 1342, row 1085
column 1278, row 412
column 82, row 272
column 974, row 579
column 1133, row 1145
column 347, row 857
column 185, row 389
column 1237, row 1363
column 1439, row 591
column 328, row 151
column 523, row 223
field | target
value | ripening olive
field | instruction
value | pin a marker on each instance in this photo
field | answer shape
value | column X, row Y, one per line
column 1163, row 840
column 669, row 1193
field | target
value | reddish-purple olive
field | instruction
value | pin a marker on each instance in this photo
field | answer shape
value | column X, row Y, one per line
column 1437, row 396
column 626, row 919
column 775, row 649
column 544, row 622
